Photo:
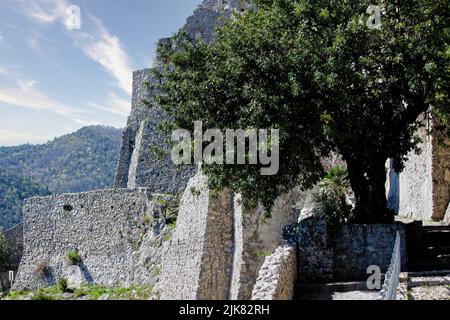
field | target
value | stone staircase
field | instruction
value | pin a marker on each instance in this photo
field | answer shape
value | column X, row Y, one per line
column 434, row 253
column 335, row 291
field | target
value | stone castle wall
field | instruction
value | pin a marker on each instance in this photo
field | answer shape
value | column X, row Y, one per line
column 416, row 183
column 139, row 165
column 278, row 275
column 14, row 240
column 422, row 190
column 219, row 247
column 344, row 252
column 198, row 262
column 256, row 237
column 441, row 180
column 106, row 228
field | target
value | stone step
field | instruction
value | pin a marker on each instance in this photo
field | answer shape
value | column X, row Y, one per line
column 325, row 288
column 432, row 234
column 429, row 281
column 438, row 250
column 436, row 237
column 429, row 263
column 347, row 296
column 434, row 273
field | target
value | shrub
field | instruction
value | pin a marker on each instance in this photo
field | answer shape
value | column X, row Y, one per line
column 62, row 285
column 330, row 196
column 73, row 257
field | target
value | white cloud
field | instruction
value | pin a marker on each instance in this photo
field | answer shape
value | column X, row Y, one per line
column 88, row 122
column 25, row 95
column 1, row 36
column 3, row 72
column 107, row 50
column 94, row 39
column 44, row 11
column 26, row 85
column 9, row 138
column 115, row 105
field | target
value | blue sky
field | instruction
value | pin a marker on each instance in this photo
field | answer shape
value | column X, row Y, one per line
column 54, row 80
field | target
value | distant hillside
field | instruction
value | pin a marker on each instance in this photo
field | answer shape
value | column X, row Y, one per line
column 82, row 161
column 13, row 190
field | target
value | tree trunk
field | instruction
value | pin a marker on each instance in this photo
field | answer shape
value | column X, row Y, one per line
column 369, row 186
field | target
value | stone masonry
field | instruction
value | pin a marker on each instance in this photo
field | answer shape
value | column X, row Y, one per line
column 422, row 190
column 344, row 252
column 198, row 264
column 139, row 165
column 14, row 239
column 106, row 228
column 257, row 237
column 278, row 275
column 219, row 247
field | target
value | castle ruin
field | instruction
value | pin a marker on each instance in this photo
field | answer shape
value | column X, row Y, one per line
column 219, row 249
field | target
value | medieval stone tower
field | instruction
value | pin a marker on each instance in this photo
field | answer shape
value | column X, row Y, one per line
column 138, row 166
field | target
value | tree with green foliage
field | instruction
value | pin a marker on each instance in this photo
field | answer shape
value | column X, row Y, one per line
column 316, row 71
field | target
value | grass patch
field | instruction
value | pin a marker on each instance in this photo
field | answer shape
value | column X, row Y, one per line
column 41, row 295
column 15, row 295
column 263, row 254
column 172, row 225
column 73, row 257
column 89, row 292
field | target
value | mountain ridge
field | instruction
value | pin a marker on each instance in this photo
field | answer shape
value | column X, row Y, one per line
column 82, row 161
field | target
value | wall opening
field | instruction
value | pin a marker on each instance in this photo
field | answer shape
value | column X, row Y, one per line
column 67, row 208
